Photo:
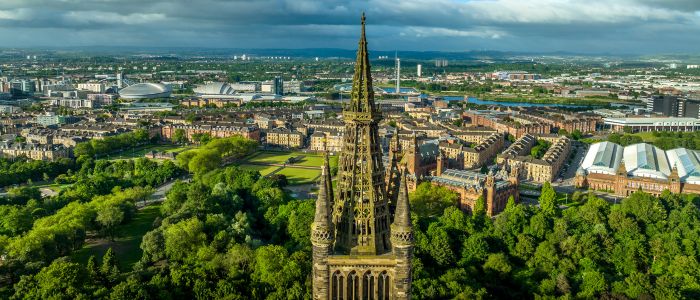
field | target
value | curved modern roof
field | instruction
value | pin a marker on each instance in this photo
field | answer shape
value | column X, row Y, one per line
column 603, row 157
column 214, row 88
column 687, row 162
column 646, row 160
column 145, row 90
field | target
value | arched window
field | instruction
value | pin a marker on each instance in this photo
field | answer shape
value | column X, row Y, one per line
column 337, row 286
column 383, row 286
column 368, row 286
column 353, row 286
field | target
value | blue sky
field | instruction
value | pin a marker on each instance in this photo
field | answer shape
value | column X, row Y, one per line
column 591, row 26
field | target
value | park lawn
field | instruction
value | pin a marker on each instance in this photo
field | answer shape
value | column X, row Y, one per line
column 297, row 176
column 647, row 136
column 311, row 160
column 271, row 157
column 264, row 170
column 280, row 157
column 127, row 243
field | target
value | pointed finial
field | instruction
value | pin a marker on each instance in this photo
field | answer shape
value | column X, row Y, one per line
column 362, row 95
column 402, row 215
column 323, row 203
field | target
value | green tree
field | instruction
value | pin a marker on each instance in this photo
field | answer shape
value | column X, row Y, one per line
column 109, row 217
column 182, row 239
column 480, row 206
column 576, row 134
column 179, row 136
column 431, row 200
column 497, row 262
column 204, row 161
column 510, row 204
column 548, row 199
column 110, row 267
column 59, row 280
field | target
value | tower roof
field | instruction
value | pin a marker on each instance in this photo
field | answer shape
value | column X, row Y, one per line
column 362, row 96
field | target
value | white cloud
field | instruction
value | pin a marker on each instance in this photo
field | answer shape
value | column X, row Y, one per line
column 14, row 14
column 448, row 24
column 567, row 11
column 113, row 18
column 421, row 32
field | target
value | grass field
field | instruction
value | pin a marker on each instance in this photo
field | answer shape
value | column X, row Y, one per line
column 127, row 243
column 266, row 157
column 264, row 170
column 647, row 136
column 260, row 161
column 311, row 161
column 280, row 157
column 300, row 176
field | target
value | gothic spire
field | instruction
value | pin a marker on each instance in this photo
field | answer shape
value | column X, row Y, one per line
column 361, row 210
column 402, row 215
column 325, row 197
column 362, row 92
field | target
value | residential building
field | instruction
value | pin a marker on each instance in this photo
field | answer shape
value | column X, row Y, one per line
column 284, row 137
column 218, row 130
column 33, row 151
column 326, row 140
column 544, row 169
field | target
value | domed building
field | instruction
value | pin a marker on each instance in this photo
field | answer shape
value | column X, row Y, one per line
column 145, row 91
column 214, row 89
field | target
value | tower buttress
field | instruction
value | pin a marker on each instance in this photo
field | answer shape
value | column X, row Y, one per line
column 322, row 234
column 402, row 242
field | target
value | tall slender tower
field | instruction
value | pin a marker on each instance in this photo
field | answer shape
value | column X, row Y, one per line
column 398, row 75
column 357, row 252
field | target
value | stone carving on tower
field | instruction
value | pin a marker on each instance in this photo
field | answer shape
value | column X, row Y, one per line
column 393, row 173
column 358, row 253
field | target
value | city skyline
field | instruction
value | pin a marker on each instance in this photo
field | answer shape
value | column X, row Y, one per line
column 599, row 26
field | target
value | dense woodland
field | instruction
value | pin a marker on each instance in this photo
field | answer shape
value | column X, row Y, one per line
column 233, row 234
column 22, row 170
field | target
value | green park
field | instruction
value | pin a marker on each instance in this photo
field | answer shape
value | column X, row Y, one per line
column 297, row 167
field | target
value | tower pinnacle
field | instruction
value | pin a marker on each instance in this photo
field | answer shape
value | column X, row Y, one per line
column 362, row 95
column 322, row 227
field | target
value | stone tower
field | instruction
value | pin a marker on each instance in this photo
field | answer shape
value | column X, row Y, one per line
column 358, row 253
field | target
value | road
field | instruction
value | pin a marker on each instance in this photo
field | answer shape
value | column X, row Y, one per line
column 159, row 195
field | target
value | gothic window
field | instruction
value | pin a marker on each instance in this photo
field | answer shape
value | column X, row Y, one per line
column 353, row 286
column 383, row 286
column 337, row 286
column 368, row 286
